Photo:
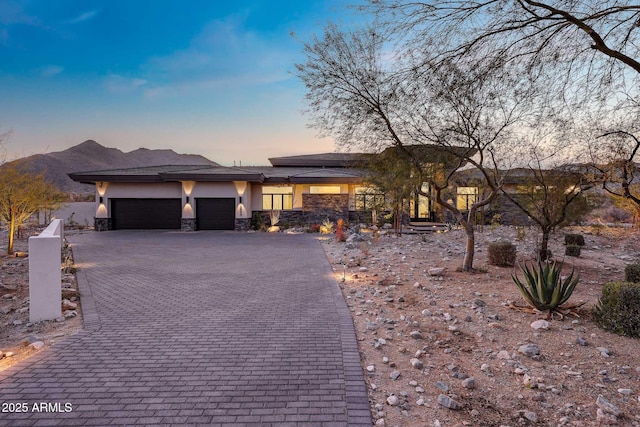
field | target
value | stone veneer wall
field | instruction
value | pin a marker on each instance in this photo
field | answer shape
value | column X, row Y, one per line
column 243, row 224
column 319, row 207
column 305, row 219
column 188, row 224
column 102, row 224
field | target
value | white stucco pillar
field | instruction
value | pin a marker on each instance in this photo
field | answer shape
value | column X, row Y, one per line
column 45, row 276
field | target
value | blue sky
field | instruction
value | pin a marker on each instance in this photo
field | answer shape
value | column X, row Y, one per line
column 206, row 77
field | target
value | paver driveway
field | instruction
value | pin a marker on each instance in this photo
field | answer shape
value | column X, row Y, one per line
column 201, row 328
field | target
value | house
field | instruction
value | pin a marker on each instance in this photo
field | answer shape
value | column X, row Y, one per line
column 305, row 189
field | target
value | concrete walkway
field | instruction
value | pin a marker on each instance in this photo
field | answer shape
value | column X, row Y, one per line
column 204, row 328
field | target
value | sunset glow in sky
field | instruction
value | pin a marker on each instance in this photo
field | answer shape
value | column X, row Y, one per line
column 203, row 76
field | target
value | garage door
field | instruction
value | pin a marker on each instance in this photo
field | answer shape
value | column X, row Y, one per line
column 146, row 214
column 216, row 213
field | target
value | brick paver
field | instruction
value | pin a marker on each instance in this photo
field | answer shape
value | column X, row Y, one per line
column 204, row 328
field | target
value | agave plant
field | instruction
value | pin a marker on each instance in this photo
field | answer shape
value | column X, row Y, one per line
column 544, row 289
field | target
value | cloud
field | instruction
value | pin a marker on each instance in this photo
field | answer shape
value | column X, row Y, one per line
column 12, row 12
column 51, row 70
column 83, row 17
column 224, row 54
column 122, row 85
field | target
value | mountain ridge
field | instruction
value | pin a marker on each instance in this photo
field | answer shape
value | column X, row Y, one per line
column 91, row 155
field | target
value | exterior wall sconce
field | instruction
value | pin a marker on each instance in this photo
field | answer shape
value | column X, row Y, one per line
column 187, row 199
column 101, row 200
column 240, row 199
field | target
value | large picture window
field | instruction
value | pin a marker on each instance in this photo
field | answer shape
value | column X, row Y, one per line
column 467, row 196
column 277, row 198
column 368, row 198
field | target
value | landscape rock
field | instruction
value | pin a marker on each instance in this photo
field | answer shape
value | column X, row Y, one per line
column 469, row 383
column 416, row 363
column 607, row 407
column 504, row 355
column 448, row 402
column 393, row 400
column 68, row 305
column 529, row 350
column 540, row 324
column 416, row 335
column 36, row 345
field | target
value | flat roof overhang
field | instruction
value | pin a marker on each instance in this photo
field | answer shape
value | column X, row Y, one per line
column 254, row 178
column 92, row 179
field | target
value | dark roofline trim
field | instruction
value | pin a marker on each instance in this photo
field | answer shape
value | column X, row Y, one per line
column 93, row 178
column 255, row 178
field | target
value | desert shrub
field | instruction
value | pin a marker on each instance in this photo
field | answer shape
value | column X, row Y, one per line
column 572, row 250
column 618, row 309
column 632, row 273
column 543, row 287
column 327, row 226
column 495, row 221
column 340, row 234
column 521, row 233
column 502, row 254
column 257, row 222
column 314, row 228
column 574, row 239
column 616, row 214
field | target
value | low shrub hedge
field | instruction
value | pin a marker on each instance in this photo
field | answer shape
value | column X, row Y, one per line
column 618, row 310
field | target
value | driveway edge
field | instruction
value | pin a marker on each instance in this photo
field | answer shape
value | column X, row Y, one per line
column 358, row 410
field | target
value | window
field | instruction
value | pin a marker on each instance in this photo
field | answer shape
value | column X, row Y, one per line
column 277, row 198
column 324, row 189
column 467, row 196
column 368, row 198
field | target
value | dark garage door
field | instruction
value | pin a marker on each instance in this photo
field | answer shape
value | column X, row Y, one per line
column 216, row 214
column 146, row 214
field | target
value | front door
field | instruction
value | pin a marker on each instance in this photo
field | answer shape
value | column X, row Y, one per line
column 419, row 206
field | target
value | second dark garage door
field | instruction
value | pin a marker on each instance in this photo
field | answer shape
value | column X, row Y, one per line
column 146, row 214
column 216, row 213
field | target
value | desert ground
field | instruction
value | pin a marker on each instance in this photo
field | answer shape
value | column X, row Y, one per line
column 450, row 350
column 447, row 349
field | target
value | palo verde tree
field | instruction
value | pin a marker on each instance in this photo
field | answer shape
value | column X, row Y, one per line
column 21, row 195
column 389, row 172
column 550, row 191
column 588, row 45
column 614, row 167
column 370, row 98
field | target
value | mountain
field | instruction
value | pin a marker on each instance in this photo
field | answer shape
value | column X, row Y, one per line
column 90, row 156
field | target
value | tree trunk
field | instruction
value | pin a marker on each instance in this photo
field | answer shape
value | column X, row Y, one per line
column 467, row 264
column 12, row 231
column 543, row 253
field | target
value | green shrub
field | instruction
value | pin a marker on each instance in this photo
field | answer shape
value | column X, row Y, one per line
column 574, row 239
column 632, row 273
column 618, row 310
column 572, row 250
column 544, row 289
column 502, row 254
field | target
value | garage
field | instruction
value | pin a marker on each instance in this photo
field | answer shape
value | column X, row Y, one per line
column 216, row 213
column 146, row 214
